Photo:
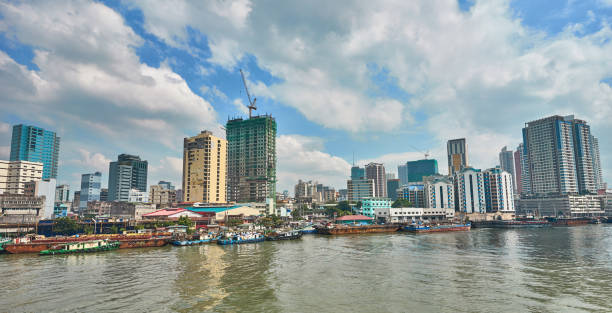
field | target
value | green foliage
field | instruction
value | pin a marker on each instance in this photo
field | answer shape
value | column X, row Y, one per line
column 114, row 229
column 271, row 221
column 139, row 227
column 344, row 206
column 296, row 214
column 184, row 220
column 66, row 226
column 88, row 229
column 401, row 203
column 329, row 211
column 233, row 222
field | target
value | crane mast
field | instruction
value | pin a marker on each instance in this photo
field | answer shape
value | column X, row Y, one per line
column 252, row 105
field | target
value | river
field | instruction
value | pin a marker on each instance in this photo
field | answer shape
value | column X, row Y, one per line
column 482, row 270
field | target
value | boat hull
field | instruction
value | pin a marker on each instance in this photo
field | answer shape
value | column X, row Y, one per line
column 436, row 228
column 364, row 229
column 278, row 238
column 190, row 242
column 110, row 247
column 512, row 224
column 224, row 242
column 143, row 243
column 125, row 242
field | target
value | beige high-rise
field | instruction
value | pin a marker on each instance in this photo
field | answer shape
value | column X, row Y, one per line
column 205, row 168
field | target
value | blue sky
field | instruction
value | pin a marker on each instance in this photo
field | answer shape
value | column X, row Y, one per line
column 385, row 82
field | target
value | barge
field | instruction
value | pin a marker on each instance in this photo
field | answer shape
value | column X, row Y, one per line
column 433, row 228
column 360, row 229
column 125, row 242
column 82, row 247
column 512, row 224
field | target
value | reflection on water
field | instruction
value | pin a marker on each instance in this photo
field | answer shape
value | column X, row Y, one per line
column 483, row 270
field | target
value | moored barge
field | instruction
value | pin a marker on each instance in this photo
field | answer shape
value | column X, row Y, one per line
column 125, row 242
column 512, row 224
column 359, row 229
column 432, row 228
column 82, row 247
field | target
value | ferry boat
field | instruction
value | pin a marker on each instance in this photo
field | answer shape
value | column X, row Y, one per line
column 241, row 238
column 290, row 235
column 431, row 228
column 81, row 247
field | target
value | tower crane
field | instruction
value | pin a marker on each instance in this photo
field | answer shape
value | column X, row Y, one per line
column 252, row 105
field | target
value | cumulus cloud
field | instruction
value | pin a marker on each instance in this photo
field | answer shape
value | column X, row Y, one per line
column 300, row 157
column 93, row 161
column 168, row 168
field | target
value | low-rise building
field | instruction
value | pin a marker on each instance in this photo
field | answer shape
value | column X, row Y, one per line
column 137, row 196
column 408, row 215
column 355, row 220
column 14, row 175
column 606, row 201
column 369, row 205
column 564, row 205
column 20, row 208
column 131, row 210
column 161, row 195
column 97, row 208
column 61, row 209
column 225, row 213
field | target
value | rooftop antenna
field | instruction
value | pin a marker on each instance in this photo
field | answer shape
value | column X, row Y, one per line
column 252, row 105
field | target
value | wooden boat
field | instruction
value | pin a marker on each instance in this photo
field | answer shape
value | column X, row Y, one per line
column 359, row 229
column 291, row 235
column 81, row 247
column 431, row 228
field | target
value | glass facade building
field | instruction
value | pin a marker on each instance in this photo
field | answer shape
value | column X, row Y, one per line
column 421, row 168
column 90, row 188
column 35, row 144
column 128, row 172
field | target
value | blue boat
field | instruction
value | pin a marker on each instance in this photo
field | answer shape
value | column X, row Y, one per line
column 241, row 239
column 190, row 242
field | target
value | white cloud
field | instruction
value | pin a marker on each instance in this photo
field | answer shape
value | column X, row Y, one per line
column 92, row 161
column 168, row 169
column 240, row 106
column 5, row 152
column 300, row 157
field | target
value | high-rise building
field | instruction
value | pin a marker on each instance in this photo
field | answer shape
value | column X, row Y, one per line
column 390, row 176
column 251, row 159
column 62, row 193
column 559, row 154
column 599, row 183
column 376, row 172
column 421, row 168
column 506, row 162
column 457, row 155
column 128, row 172
column 392, row 187
column 305, row 191
column 76, row 200
column 166, row 184
column 402, row 173
column 518, row 169
column 35, row 144
column 359, row 189
column 439, row 192
column 357, row 172
column 90, row 188
column 14, row 174
column 204, row 168
column 104, row 194
column 469, row 191
column 499, row 191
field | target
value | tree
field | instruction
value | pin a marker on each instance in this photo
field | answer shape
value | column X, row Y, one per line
column 232, row 222
column 359, row 204
column 65, row 226
column 343, row 205
column 184, row 220
column 114, row 229
column 401, row 203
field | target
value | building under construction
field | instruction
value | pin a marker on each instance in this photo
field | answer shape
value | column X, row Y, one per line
column 251, row 159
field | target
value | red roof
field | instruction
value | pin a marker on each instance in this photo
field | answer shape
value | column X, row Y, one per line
column 165, row 212
column 354, row 218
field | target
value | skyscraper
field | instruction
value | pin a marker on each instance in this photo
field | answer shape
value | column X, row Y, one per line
column 128, row 172
column 469, row 191
column 457, row 155
column 506, row 162
column 251, row 159
column 499, row 192
column 421, row 168
column 359, row 189
column 402, row 173
column 357, row 172
column 518, row 169
column 599, row 183
column 204, row 168
column 35, row 144
column 392, row 187
column 90, row 188
column 376, row 172
column 559, row 154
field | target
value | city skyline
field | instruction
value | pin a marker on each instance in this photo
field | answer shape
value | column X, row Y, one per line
column 383, row 112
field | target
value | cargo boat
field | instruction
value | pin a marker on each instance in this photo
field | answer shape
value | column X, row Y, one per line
column 125, row 242
column 512, row 224
column 361, row 229
column 241, row 239
column 292, row 235
column 81, row 247
column 555, row 221
column 193, row 242
column 433, row 228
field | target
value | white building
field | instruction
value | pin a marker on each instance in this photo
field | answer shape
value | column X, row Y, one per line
column 135, row 195
column 499, row 190
column 408, row 215
column 470, row 192
column 439, row 192
column 44, row 188
column 565, row 205
column 14, row 175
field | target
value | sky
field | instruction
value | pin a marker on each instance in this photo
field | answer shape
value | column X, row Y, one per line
column 347, row 81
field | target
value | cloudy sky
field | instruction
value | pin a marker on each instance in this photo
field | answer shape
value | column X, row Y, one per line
column 383, row 81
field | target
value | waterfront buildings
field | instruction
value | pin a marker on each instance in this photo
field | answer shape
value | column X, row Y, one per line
column 369, row 205
column 45, row 189
column 137, row 196
column 19, row 208
column 251, row 159
column 128, row 172
column 204, row 168
column 559, row 152
column 499, row 190
column 376, row 172
column 457, row 155
column 439, row 192
column 35, row 144
column 408, row 215
column 305, row 192
column 90, row 188
column 469, row 191
column 62, row 193
column 392, row 187
column 506, row 162
column 414, row 193
column 131, row 210
column 518, row 169
column 359, row 189
column 599, row 183
column 421, row 168
column 563, row 205
column 402, row 174
column 14, row 175
column 161, row 196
